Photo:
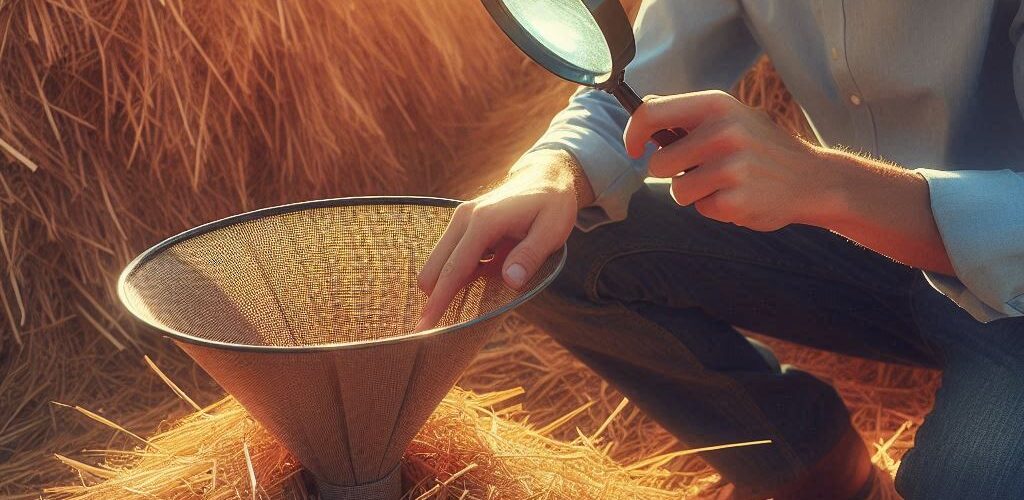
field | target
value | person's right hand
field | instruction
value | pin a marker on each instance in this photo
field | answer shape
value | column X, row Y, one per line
column 535, row 206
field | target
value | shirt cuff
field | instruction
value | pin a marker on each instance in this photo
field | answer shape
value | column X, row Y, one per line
column 980, row 216
column 613, row 182
column 590, row 129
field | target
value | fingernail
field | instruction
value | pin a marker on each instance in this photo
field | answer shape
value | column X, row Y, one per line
column 516, row 273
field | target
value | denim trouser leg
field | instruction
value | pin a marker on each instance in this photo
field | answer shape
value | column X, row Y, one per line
column 971, row 446
column 650, row 304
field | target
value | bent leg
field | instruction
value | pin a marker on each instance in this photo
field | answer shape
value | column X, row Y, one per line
column 972, row 443
column 649, row 304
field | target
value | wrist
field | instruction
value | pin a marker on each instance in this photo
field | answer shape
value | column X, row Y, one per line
column 556, row 170
column 884, row 207
column 829, row 198
column 852, row 189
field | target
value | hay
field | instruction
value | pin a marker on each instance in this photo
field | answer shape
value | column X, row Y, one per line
column 474, row 445
column 124, row 121
column 467, row 449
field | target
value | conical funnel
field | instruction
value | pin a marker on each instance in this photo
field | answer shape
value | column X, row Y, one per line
column 303, row 312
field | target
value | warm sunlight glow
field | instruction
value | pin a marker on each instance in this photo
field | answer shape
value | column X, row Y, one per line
column 566, row 28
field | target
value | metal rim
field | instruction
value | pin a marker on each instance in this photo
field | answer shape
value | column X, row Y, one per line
column 541, row 54
column 155, row 250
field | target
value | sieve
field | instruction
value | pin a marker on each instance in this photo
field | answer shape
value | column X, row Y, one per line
column 305, row 314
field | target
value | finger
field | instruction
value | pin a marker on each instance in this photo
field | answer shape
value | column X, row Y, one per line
column 699, row 183
column 545, row 236
column 443, row 249
column 456, row 271
column 704, row 144
column 721, row 205
column 685, row 111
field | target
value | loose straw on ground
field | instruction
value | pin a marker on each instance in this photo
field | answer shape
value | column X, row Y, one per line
column 466, row 449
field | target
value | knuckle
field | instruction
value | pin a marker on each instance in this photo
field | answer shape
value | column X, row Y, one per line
column 528, row 256
column 722, row 100
column 463, row 210
column 733, row 134
column 483, row 212
column 746, row 158
column 732, row 172
column 737, row 167
column 449, row 269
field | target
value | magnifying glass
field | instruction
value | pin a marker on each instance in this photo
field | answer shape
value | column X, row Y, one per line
column 588, row 42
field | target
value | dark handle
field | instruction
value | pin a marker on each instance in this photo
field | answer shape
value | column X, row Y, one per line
column 629, row 100
column 666, row 136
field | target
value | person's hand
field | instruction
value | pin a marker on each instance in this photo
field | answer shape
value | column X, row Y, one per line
column 535, row 206
column 735, row 165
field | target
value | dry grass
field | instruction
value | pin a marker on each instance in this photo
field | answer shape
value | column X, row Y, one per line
column 498, row 444
column 467, row 449
column 123, row 121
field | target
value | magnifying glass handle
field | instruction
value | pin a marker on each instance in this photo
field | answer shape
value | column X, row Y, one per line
column 664, row 137
column 629, row 100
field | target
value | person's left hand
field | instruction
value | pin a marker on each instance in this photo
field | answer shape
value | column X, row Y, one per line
column 735, row 165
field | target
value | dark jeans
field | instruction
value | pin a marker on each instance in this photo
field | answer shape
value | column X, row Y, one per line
column 651, row 303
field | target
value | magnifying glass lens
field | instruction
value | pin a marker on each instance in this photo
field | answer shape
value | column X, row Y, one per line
column 574, row 39
column 566, row 28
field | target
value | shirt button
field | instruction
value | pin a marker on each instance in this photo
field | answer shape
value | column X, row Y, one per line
column 855, row 99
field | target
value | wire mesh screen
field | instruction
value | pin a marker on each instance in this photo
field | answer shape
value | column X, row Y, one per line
column 322, row 275
column 304, row 313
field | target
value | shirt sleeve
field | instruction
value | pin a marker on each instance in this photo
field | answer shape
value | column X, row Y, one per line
column 980, row 216
column 682, row 46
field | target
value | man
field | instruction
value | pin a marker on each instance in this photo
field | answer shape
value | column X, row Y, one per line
column 755, row 236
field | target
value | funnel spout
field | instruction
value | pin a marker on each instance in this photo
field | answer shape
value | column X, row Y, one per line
column 388, row 487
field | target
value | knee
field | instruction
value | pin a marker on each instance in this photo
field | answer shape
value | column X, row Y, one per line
column 572, row 296
column 959, row 475
column 972, row 444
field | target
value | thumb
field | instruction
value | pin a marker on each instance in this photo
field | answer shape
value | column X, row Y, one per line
column 546, row 235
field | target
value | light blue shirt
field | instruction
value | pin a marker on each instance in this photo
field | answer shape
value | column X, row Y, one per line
column 933, row 85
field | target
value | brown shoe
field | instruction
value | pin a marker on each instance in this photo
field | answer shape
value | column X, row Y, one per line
column 845, row 472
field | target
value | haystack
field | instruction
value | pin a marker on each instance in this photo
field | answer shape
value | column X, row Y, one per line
column 124, row 121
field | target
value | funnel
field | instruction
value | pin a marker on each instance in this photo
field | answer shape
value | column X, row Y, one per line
column 305, row 313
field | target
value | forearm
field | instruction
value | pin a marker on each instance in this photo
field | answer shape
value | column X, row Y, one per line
column 884, row 207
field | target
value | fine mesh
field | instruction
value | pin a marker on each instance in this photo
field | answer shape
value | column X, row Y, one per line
column 316, row 276
column 328, row 276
